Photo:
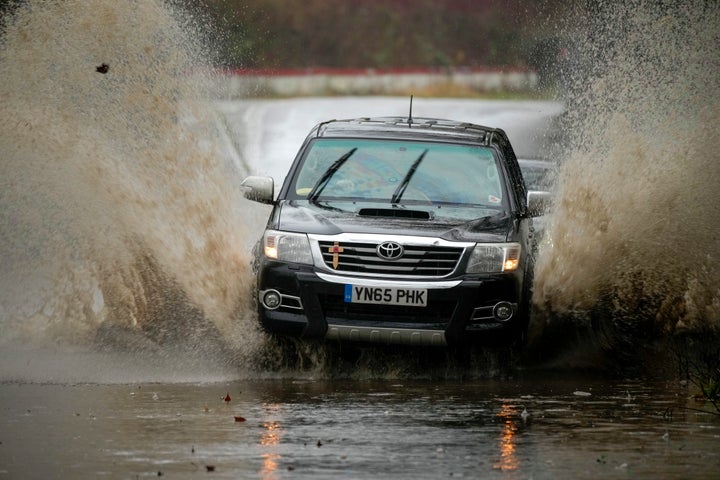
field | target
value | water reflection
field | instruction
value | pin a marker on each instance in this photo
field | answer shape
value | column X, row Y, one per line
column 508, row 456
column 269, row 441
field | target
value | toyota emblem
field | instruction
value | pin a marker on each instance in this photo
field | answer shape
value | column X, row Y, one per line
column 390, row 250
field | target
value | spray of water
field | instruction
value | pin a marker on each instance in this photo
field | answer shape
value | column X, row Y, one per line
column 633, row 245
column 117, row 212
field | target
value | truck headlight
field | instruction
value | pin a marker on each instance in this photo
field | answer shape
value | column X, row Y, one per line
column 494, row 258
column 288, row 247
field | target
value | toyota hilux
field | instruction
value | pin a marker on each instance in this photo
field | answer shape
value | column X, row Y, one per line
column 398, row 230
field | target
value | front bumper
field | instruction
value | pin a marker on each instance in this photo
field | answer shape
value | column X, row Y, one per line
column 458, row 310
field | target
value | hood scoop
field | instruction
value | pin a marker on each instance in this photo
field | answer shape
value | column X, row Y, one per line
column 394, row 213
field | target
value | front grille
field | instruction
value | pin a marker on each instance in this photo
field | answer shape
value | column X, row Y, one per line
column 417, row 261
column 436, row 312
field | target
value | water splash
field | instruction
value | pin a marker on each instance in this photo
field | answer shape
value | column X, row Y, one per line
column 116, row 207
column 121, row 221
column 119, row 215
column 633, row 243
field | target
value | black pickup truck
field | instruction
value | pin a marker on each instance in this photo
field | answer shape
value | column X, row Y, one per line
column 398, row 231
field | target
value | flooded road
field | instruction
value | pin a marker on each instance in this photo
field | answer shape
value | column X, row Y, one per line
column 125, row 239
column 533, row 425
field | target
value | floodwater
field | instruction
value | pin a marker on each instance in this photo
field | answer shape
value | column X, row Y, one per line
column 532, row 426
column 126, row 314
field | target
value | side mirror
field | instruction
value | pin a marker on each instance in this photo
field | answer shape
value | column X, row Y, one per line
column 538, row 202
column 259, row 189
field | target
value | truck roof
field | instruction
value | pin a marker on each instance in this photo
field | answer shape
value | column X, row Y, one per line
column 403, row 127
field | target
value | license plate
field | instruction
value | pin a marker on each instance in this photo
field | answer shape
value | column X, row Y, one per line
column 413, row 297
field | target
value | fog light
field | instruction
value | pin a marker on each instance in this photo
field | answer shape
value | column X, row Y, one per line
column 503, row 311
column 271, row 299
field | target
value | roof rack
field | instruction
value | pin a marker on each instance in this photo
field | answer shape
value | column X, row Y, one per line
column 437, row 127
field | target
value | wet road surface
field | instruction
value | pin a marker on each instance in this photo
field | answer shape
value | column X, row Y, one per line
column 533, row 426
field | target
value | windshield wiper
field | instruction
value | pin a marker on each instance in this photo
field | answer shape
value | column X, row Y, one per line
column 403, row 185
column 327, row 175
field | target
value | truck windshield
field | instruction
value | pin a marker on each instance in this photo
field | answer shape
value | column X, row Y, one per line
column 398, row 171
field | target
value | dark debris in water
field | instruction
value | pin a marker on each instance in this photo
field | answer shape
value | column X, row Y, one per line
column 104, row 68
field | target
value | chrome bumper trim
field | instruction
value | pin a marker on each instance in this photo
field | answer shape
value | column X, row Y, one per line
column 386, row 335
column 438, row 284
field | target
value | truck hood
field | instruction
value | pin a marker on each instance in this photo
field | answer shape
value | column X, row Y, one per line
column 467, row 224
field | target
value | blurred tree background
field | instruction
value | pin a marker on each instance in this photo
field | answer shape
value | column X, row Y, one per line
column 382, row 34
column 277, row 34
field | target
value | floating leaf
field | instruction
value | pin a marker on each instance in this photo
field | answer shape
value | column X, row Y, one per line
column 227, row 397
column 239, row 418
